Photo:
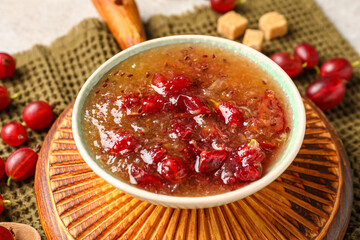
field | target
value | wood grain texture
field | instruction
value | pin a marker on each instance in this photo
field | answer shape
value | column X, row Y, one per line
column 310, row 200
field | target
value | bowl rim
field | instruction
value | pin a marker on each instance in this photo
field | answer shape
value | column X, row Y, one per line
column 296, row 134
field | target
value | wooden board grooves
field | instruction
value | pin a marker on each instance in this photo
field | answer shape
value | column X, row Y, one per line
column 302, row 203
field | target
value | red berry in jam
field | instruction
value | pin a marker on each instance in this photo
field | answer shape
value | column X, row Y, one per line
column 139, row 176
column 172, row 169
column 14, row 134
column 211, row 160
column 230, row 114
column 326, row 92
column 250, row 154
column 289, row 63
column 194, row 105
column 222, row 6
column 248, row 173
column 123, row 143
column 267, row 146
column 153, row 155
column 227, row 172
column 164, row 86
column 7, row 65
column 307, row 54
column 38, row 115
column 5, row 234
column 4, row 98
column 270, row 114
column 159, row 80
column 153, row 103
column 2, row 168
column 182, row 127
column 337, row 67
column 172, row 104
column 21, row 164
column 130, row 100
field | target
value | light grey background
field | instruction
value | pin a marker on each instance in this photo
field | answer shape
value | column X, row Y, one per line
column 24, row 23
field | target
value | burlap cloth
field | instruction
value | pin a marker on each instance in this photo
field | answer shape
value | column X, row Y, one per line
column 56, row 73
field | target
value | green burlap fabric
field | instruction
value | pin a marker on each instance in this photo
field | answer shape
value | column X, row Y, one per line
column 56, row 73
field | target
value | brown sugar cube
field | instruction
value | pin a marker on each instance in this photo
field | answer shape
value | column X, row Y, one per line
column 273, row 24
column 253, row 38
column 231, row 25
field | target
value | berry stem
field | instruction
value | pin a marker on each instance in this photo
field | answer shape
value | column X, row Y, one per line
column 356, row 63
column 304, row 65
column 53, row 105
column 37, row 148
column 214, row 102
column 14, row 96
column 239, row 2
column 9, row 181
column 24, row 124
column 317, row 69
column 6, row 201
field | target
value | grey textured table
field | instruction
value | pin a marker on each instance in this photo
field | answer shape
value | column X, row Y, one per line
column 24, row 23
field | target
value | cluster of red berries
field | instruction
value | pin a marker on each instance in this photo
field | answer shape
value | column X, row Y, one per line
column 36, row 115
column 326, row 91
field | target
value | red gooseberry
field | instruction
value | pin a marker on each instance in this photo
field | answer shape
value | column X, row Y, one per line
column 2, row 168
column 307, row 54
column 248, row 173
column 21, row 164
column 2, row 202
column 289, row 63
column 7, row 65
column 172, row 169
column 4, row 98
column 123, row 143
column 152, row 155
column 38, row 115
column 211, row 160
column 176, row 84
column 193, row 105
column 143, row 178
column 153, row 103
column 14, row 134
column 250, row 154
column 222, row 6
column 326, row 92
column 182, row 127
column 337, row 67
column 229, row 113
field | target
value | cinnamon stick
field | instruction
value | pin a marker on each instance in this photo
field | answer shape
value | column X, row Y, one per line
column 123, row 20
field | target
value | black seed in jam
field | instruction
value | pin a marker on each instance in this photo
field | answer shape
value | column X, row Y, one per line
column 204, row 67
column 213, row 56
column 205, row 56
column 187, row 58
column 130, row 75
column 122, row 74
column 104, row 85
column 148, row 74
column 97, row 91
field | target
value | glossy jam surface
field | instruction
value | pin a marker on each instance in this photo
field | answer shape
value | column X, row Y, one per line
column 186, row 120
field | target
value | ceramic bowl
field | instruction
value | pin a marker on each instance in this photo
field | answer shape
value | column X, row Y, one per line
column 296, row 135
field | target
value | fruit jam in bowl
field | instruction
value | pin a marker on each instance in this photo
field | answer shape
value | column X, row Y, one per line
column 189, row 121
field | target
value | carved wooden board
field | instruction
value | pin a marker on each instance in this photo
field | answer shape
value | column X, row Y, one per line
column 311, row 200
